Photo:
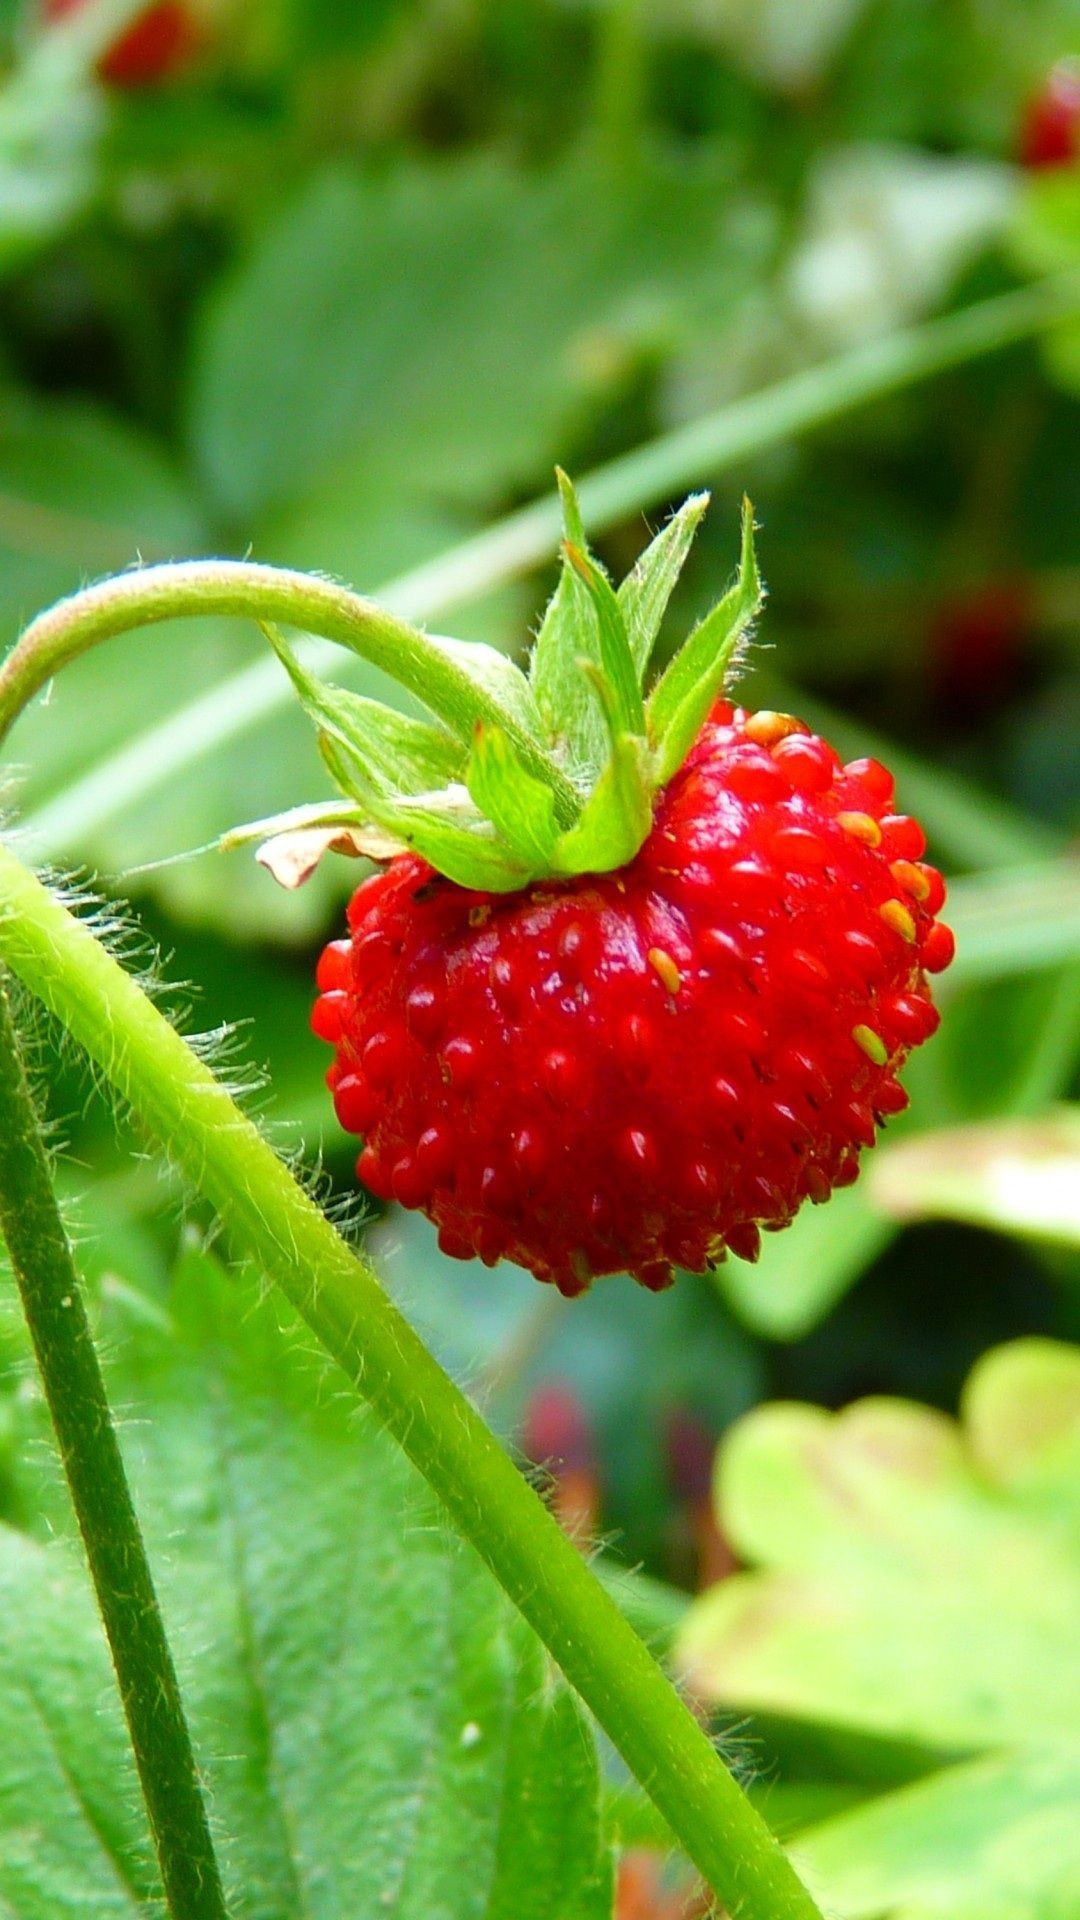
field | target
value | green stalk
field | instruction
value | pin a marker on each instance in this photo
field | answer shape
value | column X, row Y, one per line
column 620, row 83
column 266, row 594
column 64, row 1347
column 270, row 1219
column 636, row 481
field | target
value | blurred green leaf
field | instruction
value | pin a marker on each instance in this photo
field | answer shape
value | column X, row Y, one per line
column 446, row 329
column 805, row 1270
column 1046, row 236
column 782, row 42
column 382, row 1731
column 1008, row 923
column 888, row 230
column 920, row 1580
column 995, row 1840
column 1014, row 1176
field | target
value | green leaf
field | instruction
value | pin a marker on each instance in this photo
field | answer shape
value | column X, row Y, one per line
column 520, row 808
column 434, row 328
column 919, row 1580
column 995, row 1840
column 1015, row 1176
column 1011, row 922
column 694, row 679
column 644, row 594
column 380, row 1734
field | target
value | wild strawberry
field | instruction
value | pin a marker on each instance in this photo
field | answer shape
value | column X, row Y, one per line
column 1050, row 130
column 157, row 45
column 628, row 1025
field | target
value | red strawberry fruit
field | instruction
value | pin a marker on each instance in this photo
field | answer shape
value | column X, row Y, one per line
column 157, row 45
column 1050, row 130
column 628, row 1022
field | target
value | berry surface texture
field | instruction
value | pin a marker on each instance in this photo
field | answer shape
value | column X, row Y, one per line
column 644, row 1069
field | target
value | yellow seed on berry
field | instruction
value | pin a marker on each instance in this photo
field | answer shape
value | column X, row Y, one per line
column 871, row 1043
column 766, row 728
column 861, row 826
column 911, row 878
column 663, row 965
column 895, row 915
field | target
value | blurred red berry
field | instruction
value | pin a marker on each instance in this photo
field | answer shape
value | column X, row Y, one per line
column 643, row 1892
column 1050, row 129
column 154, row 48
column 557, row 1435
column 689, row 1449
column 978, row 641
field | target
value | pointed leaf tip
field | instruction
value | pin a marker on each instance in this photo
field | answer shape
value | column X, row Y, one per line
column 648, row 587
column 694, row 679
column 573, row 525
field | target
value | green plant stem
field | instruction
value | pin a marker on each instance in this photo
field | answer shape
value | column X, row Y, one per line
column 265, row 594
column 67, row 1361
column 525, row 539
column 270, row 1219
column 620, row 81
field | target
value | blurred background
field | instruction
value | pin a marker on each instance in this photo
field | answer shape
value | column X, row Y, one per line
column 335, row 285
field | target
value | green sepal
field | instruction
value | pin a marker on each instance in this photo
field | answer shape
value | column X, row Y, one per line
column 381, row 746
column 616, row 658
column 303, row 819
column 569, row 632
column 520, row 808
column 456, row 840
column 618, row 813
column 557, row 774
column 693, row 680
column 644, row 594
column 445, row 827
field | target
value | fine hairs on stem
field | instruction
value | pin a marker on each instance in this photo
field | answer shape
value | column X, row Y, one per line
column 271, row 1220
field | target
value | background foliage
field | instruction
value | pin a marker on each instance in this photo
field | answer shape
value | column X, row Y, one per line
column 340, row 294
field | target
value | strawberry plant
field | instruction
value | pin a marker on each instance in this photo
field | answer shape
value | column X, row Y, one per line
column 346, row 1569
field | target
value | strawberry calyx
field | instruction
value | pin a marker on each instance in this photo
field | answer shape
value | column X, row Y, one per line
column 523, row 775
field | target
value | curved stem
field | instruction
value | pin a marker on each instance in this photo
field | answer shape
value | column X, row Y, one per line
column 177, row 589
column 272, row 1221
column 634, row 481
column 67, row 1361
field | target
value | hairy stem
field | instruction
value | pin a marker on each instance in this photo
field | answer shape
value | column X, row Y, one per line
column 271, row 1220
column 150, row 595
column 67, row 1361
column 635, row 481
